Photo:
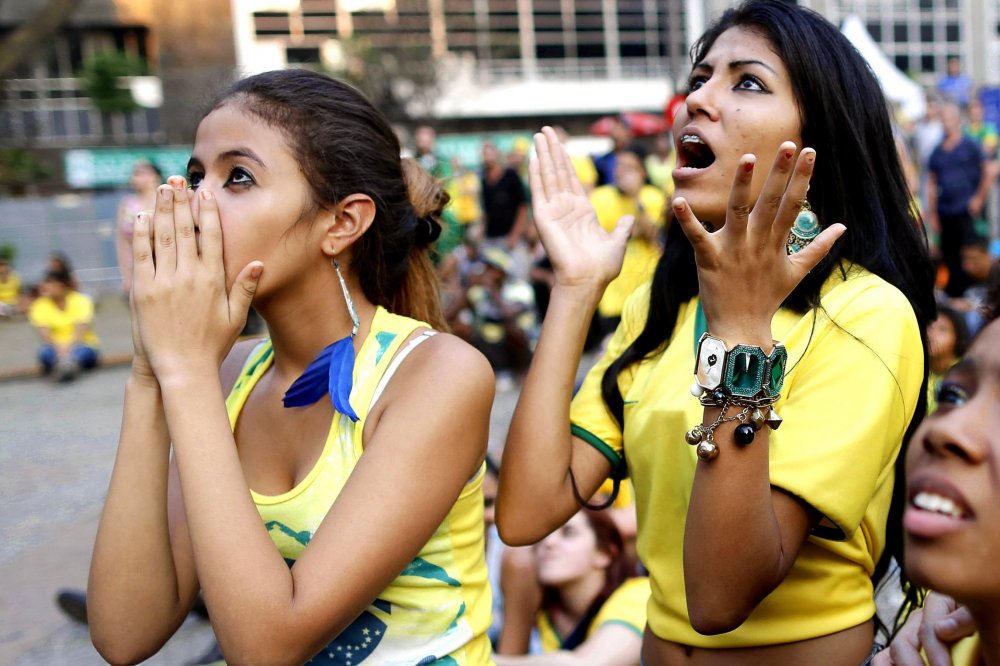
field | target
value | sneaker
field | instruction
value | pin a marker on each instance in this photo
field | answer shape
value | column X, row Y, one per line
column 66, row 370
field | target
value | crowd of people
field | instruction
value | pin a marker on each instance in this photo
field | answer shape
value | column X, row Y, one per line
column 327, row 495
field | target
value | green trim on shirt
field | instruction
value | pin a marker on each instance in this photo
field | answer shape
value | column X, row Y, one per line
column 598, row 444
column 628, row 625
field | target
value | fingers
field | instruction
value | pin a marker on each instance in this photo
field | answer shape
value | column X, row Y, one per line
column 774, row 190
column 210, row 228
column 623, row 229
column 574, row 181
column 740, row 205
column 559, row 160
column 690, row 225
column 794, row 199
column 142, row 249
column 242, row 293
column 546, row 170
column 163, row 230
column 957, row 625
column 184, row 227
column 535, row 181
column 807, row 258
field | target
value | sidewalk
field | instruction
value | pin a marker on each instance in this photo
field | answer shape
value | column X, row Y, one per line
column 19, row 341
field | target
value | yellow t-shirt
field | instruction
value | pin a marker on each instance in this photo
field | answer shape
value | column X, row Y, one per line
column 44, row 313
column 10, row 289
column 640, row 255
column 966, row 652
column 848, row 396
column 626, row 606
column 439, row 606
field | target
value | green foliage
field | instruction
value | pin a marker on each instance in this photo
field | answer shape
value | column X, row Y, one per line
column 8, row 252
column 20, row 169
column 101, row 73
column 390, row 77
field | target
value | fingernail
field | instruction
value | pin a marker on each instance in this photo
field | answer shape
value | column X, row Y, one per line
column 166, row 193
column 205, row 194
column 141, row 218
column 789, row 154
column 748, row 167
column 256, row 271
column 810, row 157
column 176, row 182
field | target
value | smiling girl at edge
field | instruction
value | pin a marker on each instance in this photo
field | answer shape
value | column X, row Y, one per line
column 313, row 530
column 769, row 547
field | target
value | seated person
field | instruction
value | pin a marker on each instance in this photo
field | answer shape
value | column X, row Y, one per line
column 63, row 318
column 10, row 290
column 593, row 611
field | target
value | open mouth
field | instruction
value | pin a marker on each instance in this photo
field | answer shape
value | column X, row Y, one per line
column 693, row 152
column 936, row 508
column 939, row 504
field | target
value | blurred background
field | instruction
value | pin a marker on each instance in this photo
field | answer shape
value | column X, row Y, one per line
column 93, row 92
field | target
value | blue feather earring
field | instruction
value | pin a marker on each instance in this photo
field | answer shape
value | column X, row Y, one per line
column 332, row 371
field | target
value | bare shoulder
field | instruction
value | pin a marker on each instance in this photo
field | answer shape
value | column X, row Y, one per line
column 446, row 370
column 447, row 357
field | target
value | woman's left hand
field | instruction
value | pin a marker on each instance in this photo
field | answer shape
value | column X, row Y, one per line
column 187, row 321
column 744, row 272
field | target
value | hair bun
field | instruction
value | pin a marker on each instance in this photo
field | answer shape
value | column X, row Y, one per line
column 426, row 230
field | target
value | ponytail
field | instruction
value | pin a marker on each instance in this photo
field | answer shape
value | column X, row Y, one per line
column 419, row 292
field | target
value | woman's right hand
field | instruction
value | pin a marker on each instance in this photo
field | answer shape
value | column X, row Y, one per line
column 581, row 251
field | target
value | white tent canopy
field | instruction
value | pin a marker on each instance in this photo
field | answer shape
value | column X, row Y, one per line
column 896, row 85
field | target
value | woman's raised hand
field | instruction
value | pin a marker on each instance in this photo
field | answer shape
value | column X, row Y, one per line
column 186, row 319
column 581, row 251
column 744, row 272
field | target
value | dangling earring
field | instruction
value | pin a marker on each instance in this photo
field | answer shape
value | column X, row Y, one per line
column 804, row 231
column 333, row 370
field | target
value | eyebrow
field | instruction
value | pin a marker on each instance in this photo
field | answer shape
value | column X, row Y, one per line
column 737, row 64
column 229, row 155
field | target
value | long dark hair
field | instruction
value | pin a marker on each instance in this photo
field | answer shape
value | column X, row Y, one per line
column 858, row 181
column 344, row 146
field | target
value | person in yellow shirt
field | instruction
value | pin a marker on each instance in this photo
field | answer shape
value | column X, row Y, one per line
column 629, row 195
column 762, row 544
column 593, row 608
column 10, row 289
column 63, row 318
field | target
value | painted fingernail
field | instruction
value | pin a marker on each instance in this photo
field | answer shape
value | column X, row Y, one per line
column 205, row 194
column 789, row 154
column 176, row 182
column 748, row 166
column 166, row 193
column 141, row 218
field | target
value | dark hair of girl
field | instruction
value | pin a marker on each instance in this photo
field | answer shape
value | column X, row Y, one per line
column 958, row 324
column 345, row 146
column 609, row 540
column 857, row 181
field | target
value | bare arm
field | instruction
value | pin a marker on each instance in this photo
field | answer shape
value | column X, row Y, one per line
column 541, row 458
column 741, row 537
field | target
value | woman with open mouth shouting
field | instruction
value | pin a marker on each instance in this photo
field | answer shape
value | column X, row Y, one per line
column 800, row 287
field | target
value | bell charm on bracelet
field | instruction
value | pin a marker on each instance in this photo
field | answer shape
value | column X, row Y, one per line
column 804, row 231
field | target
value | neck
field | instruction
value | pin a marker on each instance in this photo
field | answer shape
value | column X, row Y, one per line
column 987, row 619
column 305, row 318
column 575, row 597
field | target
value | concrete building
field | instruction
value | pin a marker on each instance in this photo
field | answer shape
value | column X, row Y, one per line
column 187, row 45
column 496, row 58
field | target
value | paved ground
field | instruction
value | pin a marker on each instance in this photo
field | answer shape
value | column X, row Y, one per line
column 57, row 446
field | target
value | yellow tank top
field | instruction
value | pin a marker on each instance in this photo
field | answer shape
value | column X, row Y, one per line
column 437, row 610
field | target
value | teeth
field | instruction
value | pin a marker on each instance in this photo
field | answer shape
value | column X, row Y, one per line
column 937, row 504
column 691, row 138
